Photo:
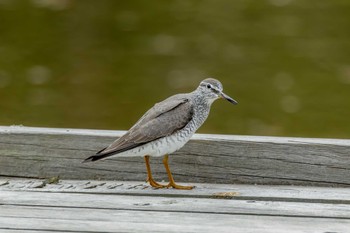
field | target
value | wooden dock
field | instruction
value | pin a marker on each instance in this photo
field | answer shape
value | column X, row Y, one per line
column 243, row 184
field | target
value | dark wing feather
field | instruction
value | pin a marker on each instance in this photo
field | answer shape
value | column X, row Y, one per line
column 160, row 121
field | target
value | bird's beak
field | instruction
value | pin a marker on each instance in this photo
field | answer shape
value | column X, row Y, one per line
column 228, row 98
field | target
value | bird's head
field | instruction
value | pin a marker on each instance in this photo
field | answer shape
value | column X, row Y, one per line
column 211, row 89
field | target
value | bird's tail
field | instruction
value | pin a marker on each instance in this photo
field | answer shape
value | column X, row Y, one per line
column 99, row 155
column 106, row 152
column 93, row 158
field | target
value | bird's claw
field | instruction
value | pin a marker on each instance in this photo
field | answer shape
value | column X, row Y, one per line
column 176, row 186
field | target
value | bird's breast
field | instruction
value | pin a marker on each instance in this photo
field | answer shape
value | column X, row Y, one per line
column 171, row 143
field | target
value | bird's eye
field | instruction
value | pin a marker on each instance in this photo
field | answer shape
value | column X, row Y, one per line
column 208, row 86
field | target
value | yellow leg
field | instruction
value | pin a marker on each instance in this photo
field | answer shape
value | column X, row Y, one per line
column 171, row 179
column 153, row 183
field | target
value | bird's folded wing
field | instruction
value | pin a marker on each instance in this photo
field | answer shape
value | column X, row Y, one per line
column 160, row 121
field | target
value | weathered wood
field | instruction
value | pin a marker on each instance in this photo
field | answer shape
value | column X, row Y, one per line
column 115, row 206
column 238, row 191
column 40, row 152
column 174, row 204
column 102, row 220
column 209, row 202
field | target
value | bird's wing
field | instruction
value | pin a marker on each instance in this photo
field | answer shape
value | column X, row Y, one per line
column 161, row 120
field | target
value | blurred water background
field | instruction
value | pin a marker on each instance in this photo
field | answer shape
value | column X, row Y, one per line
column 102, row 64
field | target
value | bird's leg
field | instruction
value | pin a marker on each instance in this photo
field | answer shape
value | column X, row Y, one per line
column 153, row 183
column 171, row 179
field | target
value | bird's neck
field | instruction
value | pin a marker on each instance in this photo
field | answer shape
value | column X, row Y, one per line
column 201, row 109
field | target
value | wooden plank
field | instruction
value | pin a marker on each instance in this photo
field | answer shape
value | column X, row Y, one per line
column 238, row 191
column 115, row 206
column 40, row 152
column 104, row 220
column 173, row 204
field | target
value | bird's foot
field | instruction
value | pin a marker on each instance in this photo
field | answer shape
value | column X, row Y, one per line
column 176, row 186
column 155, row 184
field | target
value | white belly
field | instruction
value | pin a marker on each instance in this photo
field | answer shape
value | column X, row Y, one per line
column 159, row 147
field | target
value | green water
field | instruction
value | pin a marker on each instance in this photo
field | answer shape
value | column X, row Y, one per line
column 102, row 64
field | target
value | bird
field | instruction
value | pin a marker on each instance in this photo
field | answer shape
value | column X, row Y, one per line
column 165, row 128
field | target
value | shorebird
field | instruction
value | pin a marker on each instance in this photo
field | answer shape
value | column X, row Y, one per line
column 165, row 128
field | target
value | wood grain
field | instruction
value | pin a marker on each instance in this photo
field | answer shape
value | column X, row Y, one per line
column 92, row 220
column 45, row 152
column 61, row 219
column 241, row 191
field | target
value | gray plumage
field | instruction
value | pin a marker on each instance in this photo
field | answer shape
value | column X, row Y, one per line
column 168, row 125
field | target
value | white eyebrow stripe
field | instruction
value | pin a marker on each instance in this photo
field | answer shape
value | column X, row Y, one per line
column 212, row 87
